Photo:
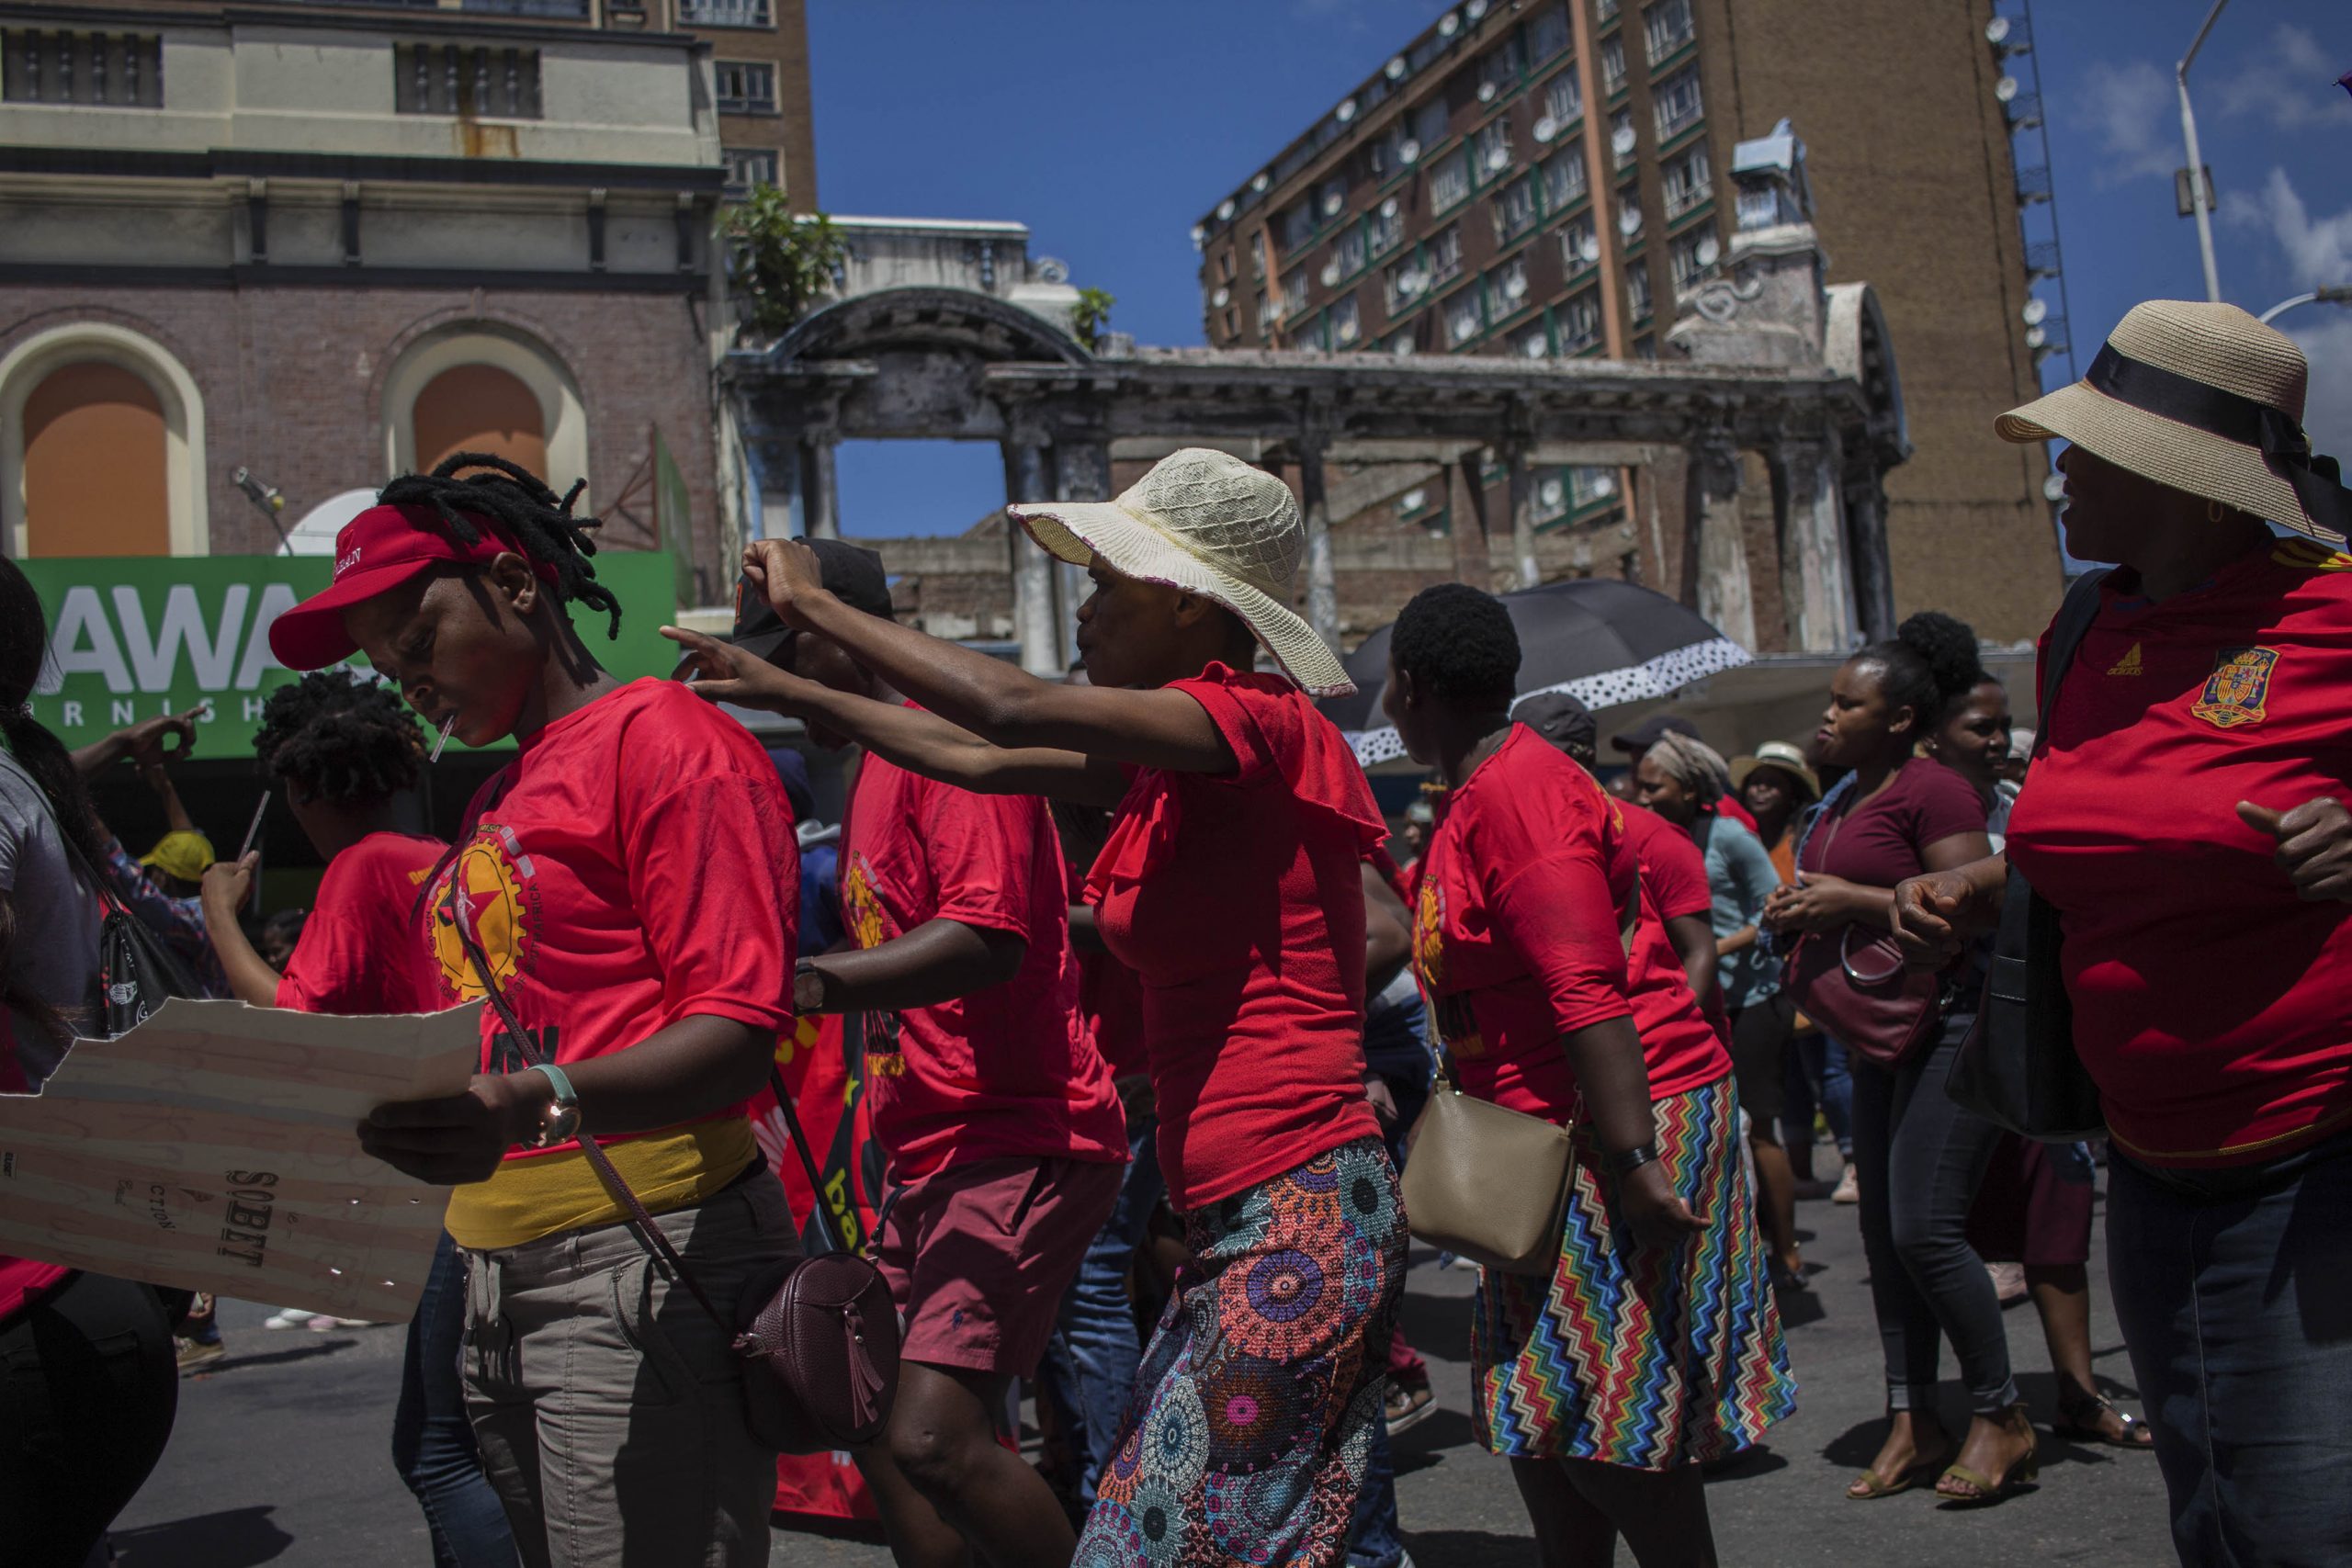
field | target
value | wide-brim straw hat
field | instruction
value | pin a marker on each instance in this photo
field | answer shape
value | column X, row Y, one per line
column 1209, row 524
column 1781, row 755
column 2207, row 399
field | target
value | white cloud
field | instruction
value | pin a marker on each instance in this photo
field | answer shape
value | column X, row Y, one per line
column 2317, row 251
column 2130, row 108
column 2291, row 84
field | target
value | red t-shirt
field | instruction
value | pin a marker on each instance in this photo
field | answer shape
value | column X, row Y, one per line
column 1885, row 838
column 354, row 956
column 1238, row 899
column 1729, row 805
column 1109, row 1000
column 1515, row 935
column 633, row 867
column 2213, row 1005
column 24, row 1282
column 1008, row 1071
column 1674, row 877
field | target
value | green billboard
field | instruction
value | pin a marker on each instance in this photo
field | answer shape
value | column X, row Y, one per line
column 130, row 637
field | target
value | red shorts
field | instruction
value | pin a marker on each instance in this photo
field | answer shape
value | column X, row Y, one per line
column 978, row 1256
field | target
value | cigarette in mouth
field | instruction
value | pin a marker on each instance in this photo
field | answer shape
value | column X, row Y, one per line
column 447, row 725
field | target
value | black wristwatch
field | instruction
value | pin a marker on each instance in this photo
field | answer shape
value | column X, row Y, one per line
column 809, row 987
column 1624, row 1162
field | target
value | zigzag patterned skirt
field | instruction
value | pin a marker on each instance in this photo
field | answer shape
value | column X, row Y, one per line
column 1260, row 1394
column 1629, row 1354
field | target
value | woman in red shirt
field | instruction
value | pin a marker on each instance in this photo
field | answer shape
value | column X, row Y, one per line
column 2206, row 951
column 1642, row 1356
column 631, row 879
column 1920, row 1157
column 1230, row 883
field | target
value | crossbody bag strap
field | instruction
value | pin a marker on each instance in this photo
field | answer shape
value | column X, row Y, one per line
column 825, row 1222
column 2074, row 619
column 648, row 1232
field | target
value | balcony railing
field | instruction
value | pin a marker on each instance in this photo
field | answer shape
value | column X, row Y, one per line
column 726, row 13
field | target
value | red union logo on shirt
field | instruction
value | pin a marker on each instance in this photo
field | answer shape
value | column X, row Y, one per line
column 2235, row 691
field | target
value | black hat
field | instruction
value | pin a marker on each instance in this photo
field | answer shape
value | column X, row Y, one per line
column 854, row 576
column 1653, row 729
column 1560, row 719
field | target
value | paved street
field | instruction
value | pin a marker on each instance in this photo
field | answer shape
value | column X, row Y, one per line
column 280, row 1457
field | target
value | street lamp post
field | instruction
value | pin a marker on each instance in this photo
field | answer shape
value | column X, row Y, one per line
column 2199, row 197
column 2339, row 295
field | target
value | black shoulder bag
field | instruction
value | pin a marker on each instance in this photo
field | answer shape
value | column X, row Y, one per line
column 2018, row 1067
column 137, row 974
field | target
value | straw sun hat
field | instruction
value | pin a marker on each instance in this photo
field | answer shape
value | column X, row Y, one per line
column 2207, row 399
column 1208, row 524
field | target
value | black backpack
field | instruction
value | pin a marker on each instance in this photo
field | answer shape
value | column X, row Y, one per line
column 137, row 974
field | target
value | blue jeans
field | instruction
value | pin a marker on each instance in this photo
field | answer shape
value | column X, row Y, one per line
column 2234, row 1291
column 433, row 1442
column 1090, row 1364
column 1817, row 1076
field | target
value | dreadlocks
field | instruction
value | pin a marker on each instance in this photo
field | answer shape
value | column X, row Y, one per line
column 338, row 737
column 520, row 502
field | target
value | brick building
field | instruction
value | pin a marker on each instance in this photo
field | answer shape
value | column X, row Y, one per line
column 1548, row 178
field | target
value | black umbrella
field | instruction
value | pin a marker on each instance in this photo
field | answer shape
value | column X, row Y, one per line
column 1601, row 641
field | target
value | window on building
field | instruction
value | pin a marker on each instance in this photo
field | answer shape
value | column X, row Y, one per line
column 1298, row 226
column 1532, row 340
column 1550, row 494
column 1677, row 103
column 1412, row 139
column 1257, row 252
column 1578, row 321
column 1492, row 147
column 1587, row 485
column 1404, row 286
column 1348, row 253
column 1689, row 270
column 1232, row 322
column 746, row 86
column 1759, row 208
column 1507, row 285
column 1499, row 72
column 1387, row 226
column 1645, row 348
column 480, row 407
column 1310, row 334
column 1629, row 213
column 1612, row 64
column 1564, row 178
column 1686, row 181
column 1443, row 256
column 1622, row 142
column 1450, row 184
column 1580, row 245
column 747, row 168
column 1401, row 343
column 108, row 70
column 1293, row 293
column 1258, row 320
column 1667, row 26
column 96, row 463
column 1429, row 121
column 1564, row 98
column 1637, row 291
column 478, row 81
column 1347, row 323
column 1548, row 34
column 1604, row 9
column 1515, row 211
column 1225, row 266
column 1465, row 317
column 724, row 14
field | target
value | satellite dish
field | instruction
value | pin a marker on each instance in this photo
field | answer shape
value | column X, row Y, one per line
column 1388, row 207
column 1621, row 140
column 2035, row 337
column 1629, row 220
column 1487, row 91
column 1221, row 298
column 1476, row 9
column 1224, row 209
column 1515, row 285
column 1497, row 157
column 1997, row 31
column 1401, row 345
column 2035, row 313
column 1414, row 499
column 1706, row 251
column 1346, row 111
column 1261, row 180
column 1604, row 483
column 1332, row 201
column 1347, row 332
column 1394, row 69
column 1552, row 491
column 1409, row 152
column 1448, row 25
column 1053, row 269
column 1546, row 129
column 1331, row 273
column 314, row 534
column 1199, row 234
column 2005, row 89
column 1412, row 283
column 1588, row 246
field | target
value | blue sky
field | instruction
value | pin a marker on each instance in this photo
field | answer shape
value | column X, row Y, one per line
column 1110, row 125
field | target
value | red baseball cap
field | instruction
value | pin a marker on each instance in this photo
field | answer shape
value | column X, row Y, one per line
column 375, row 553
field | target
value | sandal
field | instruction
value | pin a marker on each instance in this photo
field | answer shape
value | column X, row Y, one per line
column 1875, row 1486
column 2071, row 1425
column 2024, row 1472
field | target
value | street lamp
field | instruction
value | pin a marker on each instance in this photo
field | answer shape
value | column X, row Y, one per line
column 2199, row 195
column 2339, row 295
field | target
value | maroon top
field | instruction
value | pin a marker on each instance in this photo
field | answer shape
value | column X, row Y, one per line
column 1885, row 838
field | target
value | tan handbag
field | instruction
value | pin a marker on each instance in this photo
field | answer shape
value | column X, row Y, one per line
column 1489, row 1184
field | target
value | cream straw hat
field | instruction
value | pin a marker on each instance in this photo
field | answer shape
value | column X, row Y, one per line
column 2207, row 399
column 1208, row 524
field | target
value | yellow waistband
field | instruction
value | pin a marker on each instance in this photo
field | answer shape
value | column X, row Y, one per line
column 548, row 1194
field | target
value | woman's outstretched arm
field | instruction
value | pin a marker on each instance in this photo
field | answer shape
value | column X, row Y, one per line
column 1002, row 705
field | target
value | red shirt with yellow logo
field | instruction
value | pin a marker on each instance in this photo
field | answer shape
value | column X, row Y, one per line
column 1516, row 936
column 354, row 956
column 2211, row 1004
column 1008, row 1071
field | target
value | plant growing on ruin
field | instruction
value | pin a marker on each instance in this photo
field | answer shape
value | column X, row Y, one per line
column 1090, row 315
column 780, row 262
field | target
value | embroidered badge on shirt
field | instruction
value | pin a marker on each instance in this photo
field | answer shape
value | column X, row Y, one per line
column 2129, row 664
column 2235, row 691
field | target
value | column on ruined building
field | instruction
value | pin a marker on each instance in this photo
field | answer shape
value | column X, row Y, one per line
column 1033, row 569
column 1081, row 472
column 1322, row 577
column 820, row 496
column 1873, row 572
column 1725, row 596
column 1816, row 593
column 1521, row 490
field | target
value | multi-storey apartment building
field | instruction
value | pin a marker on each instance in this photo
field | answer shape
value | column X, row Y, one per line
column 1548, row 178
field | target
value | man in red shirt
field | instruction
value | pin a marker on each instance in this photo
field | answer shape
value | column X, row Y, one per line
column 1003, row 1126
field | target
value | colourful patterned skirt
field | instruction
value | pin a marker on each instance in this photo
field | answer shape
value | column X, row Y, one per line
column 1261, row 1390
column 1627, row 1354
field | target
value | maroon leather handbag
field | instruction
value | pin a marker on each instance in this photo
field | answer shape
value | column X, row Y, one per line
column 817, row 1334
column 1861, row 996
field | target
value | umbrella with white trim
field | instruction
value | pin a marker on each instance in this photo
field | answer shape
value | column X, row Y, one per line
column 1601, row 641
